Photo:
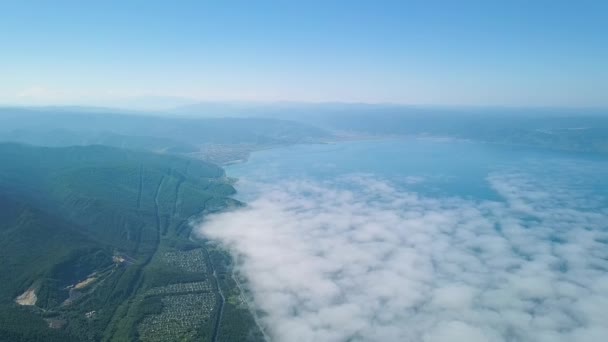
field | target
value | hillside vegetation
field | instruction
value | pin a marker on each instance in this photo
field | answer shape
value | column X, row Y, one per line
column 94, row 243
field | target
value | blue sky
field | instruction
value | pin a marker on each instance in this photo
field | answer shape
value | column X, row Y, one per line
column 513, row 53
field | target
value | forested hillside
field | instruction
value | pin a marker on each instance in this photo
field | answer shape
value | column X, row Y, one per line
column 94, row 243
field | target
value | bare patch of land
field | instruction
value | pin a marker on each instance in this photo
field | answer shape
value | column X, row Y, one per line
column 27, row 298
column 85, row 283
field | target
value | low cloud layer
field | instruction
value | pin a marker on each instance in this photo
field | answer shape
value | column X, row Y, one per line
column 360, row 260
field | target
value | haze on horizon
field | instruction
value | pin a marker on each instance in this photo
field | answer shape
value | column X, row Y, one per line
column 160, row 55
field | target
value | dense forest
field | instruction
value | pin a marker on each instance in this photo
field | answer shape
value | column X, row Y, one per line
column 94, row 243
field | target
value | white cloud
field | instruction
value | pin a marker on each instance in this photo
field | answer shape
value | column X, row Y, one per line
column 359, row 260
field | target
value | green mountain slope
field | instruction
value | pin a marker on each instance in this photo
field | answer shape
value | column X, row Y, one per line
column 93, row 233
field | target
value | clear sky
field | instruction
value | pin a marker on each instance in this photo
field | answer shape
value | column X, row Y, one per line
column 508, row 52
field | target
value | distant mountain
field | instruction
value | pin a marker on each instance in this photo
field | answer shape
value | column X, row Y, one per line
column 578, row 130
column 61, row 128
column 572, row 129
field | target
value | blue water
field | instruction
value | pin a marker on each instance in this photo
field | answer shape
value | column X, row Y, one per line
column 431, row 166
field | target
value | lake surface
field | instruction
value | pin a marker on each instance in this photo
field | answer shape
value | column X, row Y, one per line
column 435, row 166
column 421, row 240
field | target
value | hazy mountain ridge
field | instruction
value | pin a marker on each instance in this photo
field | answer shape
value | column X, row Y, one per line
column 251, row 126
column 573, row 129
column 189, row 130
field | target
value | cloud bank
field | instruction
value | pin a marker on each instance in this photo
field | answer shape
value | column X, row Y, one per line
column 358, row 259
